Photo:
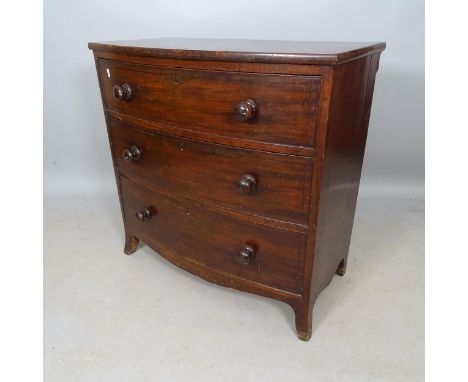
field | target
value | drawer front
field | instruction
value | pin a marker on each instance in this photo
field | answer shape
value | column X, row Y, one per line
column 184, row 228
column 260, row 107
column 266, row 184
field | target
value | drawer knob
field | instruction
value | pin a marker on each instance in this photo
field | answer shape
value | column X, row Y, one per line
column 123, row 92
column 246, row 184
column 143, row 215
column 246, row 110
column 132, row 155
column 245, row 255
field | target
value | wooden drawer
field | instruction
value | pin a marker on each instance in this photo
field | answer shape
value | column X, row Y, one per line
column 284, row 108
column 179, row 227
column 267, row 184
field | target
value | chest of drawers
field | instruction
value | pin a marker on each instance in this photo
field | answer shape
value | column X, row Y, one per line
column 239, row 161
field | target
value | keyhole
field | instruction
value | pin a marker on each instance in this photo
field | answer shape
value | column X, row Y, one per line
column 181, row 146
column 175, row 79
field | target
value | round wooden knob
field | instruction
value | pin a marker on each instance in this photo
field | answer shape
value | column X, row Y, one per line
column 245, row 255
column 143, row 215
column 246, row 184
column 123, row 92
column 132, row 155
column 246, row 110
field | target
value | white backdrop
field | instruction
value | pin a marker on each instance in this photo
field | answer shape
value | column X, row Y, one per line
column 76, row 153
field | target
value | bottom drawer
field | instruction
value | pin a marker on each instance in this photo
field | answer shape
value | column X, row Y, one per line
column 265, row 255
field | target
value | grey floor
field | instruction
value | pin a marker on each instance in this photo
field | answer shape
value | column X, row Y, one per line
column 111, row 317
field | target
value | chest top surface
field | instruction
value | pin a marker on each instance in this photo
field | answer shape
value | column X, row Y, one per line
column 294, row 52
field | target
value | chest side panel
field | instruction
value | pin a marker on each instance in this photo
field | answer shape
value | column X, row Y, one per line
column 350, row 106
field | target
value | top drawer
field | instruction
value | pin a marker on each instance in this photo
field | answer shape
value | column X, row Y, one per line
column 267, row 108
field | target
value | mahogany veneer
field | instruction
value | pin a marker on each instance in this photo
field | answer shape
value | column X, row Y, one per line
column 239, row 161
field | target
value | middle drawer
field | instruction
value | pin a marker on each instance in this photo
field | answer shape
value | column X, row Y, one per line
column 260, row 183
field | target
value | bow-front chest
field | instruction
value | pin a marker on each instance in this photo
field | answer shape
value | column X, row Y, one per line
column 239, row 161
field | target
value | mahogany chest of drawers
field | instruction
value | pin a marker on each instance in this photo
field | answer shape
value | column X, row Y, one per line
column 239, row 161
